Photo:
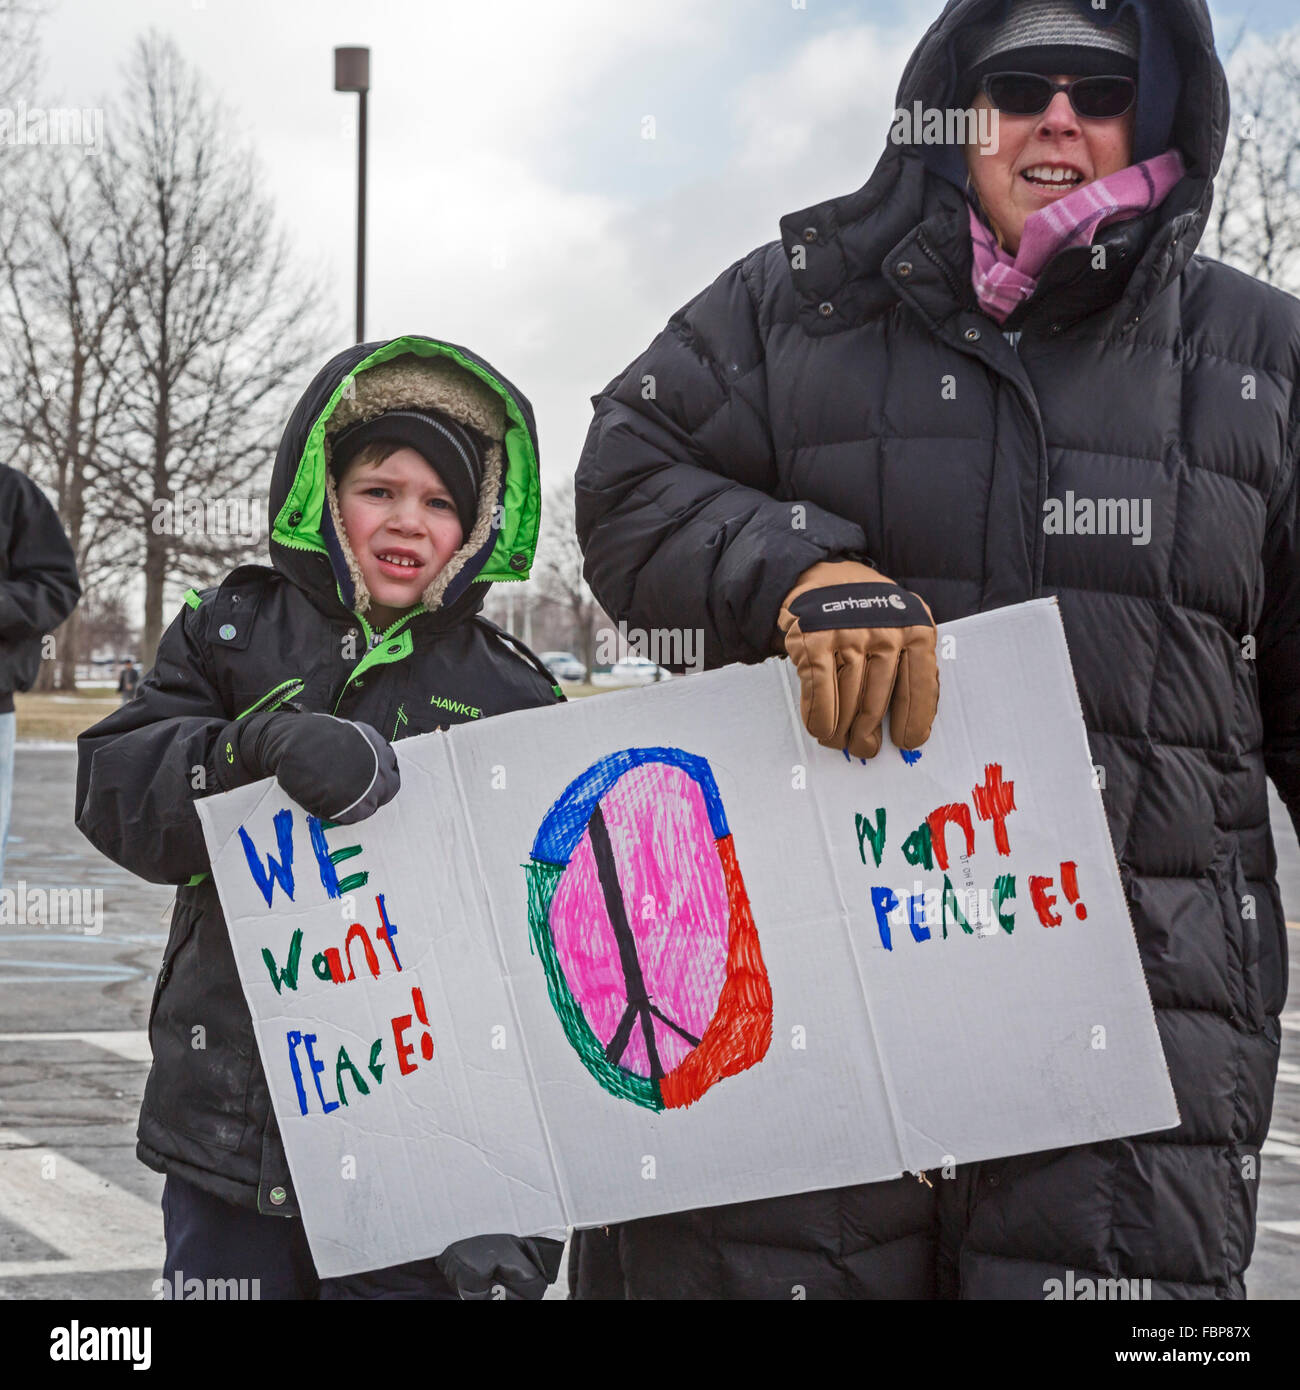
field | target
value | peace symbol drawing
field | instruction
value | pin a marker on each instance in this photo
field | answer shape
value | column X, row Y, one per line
column 638, row 912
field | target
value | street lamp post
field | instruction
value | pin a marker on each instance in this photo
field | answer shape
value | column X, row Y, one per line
column 352, row 74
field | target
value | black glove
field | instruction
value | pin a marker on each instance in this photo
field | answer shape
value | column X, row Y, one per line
column 335, row 769
column 501, row 1267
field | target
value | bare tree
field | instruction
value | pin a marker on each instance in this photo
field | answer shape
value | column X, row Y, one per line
column 62, row 334
column 106, row 623
column 1255, row 225
column 559, row 574
column 219, row 329
column 19, row 46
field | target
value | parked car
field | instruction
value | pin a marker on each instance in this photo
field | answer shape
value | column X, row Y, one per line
column 637, row 670
column 564, row 666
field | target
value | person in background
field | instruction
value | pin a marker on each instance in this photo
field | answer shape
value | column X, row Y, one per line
column 38, row 589
column 127, row 681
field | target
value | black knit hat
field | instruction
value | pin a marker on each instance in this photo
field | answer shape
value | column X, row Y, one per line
column 455, row 452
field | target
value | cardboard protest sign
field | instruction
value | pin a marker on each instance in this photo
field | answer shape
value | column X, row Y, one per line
column 661, row 950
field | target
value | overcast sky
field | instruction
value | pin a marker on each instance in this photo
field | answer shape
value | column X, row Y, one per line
column 515, row 205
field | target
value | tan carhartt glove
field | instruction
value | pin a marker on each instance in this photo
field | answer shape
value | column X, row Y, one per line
column 861, row 644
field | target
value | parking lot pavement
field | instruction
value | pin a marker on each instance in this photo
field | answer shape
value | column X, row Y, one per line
column 80, row 1216
column 1275, row 1270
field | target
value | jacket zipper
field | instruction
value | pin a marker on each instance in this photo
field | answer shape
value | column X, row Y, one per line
column 1038, row 554
column 286, row 690
column 1036, row 559
column 395, row 645
column 943, row 266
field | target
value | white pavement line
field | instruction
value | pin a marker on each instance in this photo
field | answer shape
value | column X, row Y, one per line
column 1283, row 1228
column 93, row 1224
column 1288, row 1074
column 1291, row 1022
column 1273, row 1148
column 132, row 1046
column 1284, row 1135
column 26, row 1269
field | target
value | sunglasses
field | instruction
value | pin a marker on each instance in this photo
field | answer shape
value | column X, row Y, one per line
column 1029, row 94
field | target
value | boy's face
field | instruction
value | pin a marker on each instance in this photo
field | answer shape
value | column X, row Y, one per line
column 402, row 526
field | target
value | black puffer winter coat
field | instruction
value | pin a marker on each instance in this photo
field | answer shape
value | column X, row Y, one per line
column 286, row 637
column 799, row 414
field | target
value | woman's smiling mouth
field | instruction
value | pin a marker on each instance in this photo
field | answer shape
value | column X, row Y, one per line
column 1053, row 178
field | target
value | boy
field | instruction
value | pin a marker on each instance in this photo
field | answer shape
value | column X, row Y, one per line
column 406, row 481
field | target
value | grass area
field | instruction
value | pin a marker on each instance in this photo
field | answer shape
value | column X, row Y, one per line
column 61, row 717
column 574, row 690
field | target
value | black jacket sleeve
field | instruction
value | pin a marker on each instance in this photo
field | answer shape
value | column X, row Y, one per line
column 678, row 499
column 1279, row 638
column 40, row 586
column 140, row 770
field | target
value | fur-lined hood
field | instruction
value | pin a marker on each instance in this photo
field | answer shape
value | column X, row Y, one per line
column 308, row 543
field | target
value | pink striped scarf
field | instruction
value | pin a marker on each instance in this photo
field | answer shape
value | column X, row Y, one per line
column 1003, row 282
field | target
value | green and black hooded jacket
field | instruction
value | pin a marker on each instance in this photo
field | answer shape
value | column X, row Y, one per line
column 294, row 636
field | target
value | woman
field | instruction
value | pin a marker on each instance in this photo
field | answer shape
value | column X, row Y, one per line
column 913, row 386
